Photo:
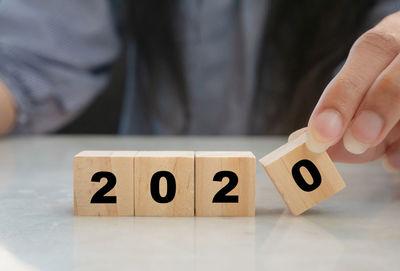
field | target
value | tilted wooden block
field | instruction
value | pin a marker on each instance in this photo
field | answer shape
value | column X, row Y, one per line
column 303, row 178
column 225, row 184
column 164, row 183
column 103, row 183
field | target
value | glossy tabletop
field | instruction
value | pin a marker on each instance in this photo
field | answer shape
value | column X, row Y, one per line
column 356, row 229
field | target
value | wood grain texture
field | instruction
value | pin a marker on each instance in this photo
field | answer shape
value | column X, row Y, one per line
column 207, row 165
column 279, row 163
column 121, row 164
column 181, row 165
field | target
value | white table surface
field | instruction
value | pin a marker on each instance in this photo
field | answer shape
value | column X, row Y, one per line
column 356, row 229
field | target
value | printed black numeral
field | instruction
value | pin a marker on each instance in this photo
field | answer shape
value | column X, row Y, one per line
column 221, row 196
column 100, row 196
column 298, row 178
column 155, row 186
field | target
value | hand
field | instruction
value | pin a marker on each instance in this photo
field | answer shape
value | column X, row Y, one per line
column 358, row 114
column 8, row 112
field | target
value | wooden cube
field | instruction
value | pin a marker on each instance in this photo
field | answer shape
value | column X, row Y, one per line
column 103, row 183
column 225, row 183
column 164, row 183
column 303, row 178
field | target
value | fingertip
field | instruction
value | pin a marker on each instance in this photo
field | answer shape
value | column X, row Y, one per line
column 391, row 161
column 367, row 126
column 388, row 166
column 324, row 130
column 314, row 145
column 352, row 145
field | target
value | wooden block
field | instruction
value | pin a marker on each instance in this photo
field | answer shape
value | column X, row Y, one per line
column 225, row 184
column 103, row 183
column 303, row 178
column 164, row 183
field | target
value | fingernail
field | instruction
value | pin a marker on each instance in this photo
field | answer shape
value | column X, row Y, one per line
column 391, row 163
column 325, row 129
column 367, row 126
column 352, row 145
column 314, row 145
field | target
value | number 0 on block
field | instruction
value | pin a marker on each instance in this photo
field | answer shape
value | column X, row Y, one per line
column 303, row 178
column 164, row 183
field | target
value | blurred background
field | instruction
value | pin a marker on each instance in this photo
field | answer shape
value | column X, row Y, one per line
column 196, row 67
column 96, row 119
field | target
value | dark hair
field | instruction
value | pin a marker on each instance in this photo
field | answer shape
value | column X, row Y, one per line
column 152, row 27
column 304, row 40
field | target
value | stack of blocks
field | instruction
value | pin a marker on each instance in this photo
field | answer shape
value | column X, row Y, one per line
column 165, row 183
column 186, row 183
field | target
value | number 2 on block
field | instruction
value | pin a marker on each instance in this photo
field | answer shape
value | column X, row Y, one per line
column 221, row 196
column 100, row 196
